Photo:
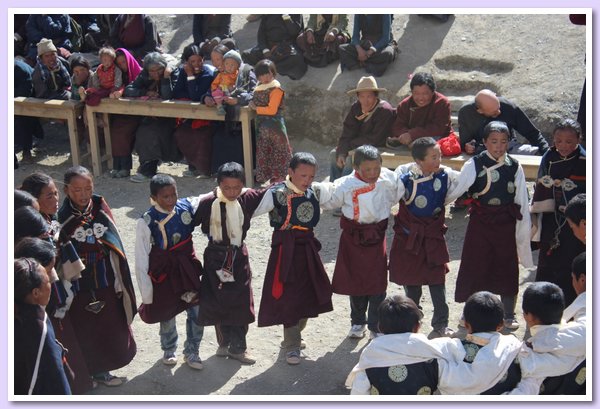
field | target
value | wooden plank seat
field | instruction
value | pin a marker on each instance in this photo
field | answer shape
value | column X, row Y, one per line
column 161, row 108
column 55, row 109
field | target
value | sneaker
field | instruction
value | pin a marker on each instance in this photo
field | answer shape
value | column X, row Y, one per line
column 222, row 351
column 293, row 357
column 193, row 361
column 139, row 178
column 357, row 331
column 243, row 358
column 123, row 173
column 373, row 335
column 511, row 323
column 113, row 173
column 302, row 345
column 109, row 380
column 441, row 332
column 169, row 358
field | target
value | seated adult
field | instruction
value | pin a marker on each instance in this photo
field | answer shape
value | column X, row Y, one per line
column 227, row 145
column 210, row 30
column 93, row 37
column 276, row 37
column 51, row 78
column 425, row 112
column 372, row 46
column 488, row 107
column 25, row 127
column 55, row 27
column 154, row 135
column 194, row 136
column 323, row 35
column 135, row 32
column 369, row 122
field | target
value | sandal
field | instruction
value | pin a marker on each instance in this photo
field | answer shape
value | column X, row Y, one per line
column 293, row 357
column 109, row 379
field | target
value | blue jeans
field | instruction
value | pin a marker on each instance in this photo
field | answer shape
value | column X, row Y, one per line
column 334, row 171
column 194, row 333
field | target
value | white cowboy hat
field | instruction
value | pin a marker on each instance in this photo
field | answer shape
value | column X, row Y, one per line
column 366, row 84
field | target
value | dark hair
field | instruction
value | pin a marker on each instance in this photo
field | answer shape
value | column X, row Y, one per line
column 364, row 153
column 76, row 171
column 231, row 170
column 29, row 223
column 484, row 312
column 575, row 210
column 398, row 315
column 578, row 265
column 568, row 125
column 160, row 181
column 35, row 182
column 265, row 67
column 229, row 43
column 420, row 147
column 545, row 301
column 78, row 60
column 23, row 198
column 495, row 126
column 422, row 78
column 189, row 50
column 302, row 158
column 221, row 49
column 41, row 250
column 27, row 277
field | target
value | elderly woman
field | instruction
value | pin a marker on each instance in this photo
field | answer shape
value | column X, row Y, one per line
column 123, row 127
column 136, row 32
column 51, row 79
column 227, row 140
column 276, row 37
column 194, row 137
column 154, row 136
column 323, row 35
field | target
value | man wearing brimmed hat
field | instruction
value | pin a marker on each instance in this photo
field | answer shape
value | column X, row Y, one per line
column 51, row 79
column 369, row 122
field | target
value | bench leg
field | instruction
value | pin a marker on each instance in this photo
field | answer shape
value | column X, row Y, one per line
column 74, row 138
column 247, row 145
column 95, row 146
column 107, row 140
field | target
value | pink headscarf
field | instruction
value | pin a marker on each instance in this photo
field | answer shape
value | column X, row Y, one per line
column 133, row 67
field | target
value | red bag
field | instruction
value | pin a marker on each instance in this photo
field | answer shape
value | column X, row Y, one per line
column 450, row 145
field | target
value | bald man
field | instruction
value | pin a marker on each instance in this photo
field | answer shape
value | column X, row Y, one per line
column 487, row 107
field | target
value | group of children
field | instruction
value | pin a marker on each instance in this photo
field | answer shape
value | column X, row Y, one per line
column 218, row 291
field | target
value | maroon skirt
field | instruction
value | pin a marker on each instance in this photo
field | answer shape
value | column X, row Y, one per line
column 361, row 265
column 296, row 284
column 122, row 134
column 489, row 260
column 195, row 144
column 173, row 272
column 419, row 254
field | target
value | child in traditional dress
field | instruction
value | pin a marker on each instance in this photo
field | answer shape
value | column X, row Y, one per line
column 224, row 83
column 40, row 364
column 366, row 197
column 273, row 150
column 226, row 299
column 498, row 233
column 296, row 285
column 489, row 366
column 401, row 361
column 105, row 80
column 576, row 310
column 556, row 351
column 419, row 254
column 167, row 270
column 560, row 178
column 104, row 303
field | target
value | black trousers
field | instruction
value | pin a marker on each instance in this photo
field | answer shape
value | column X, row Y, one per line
column 232, row 336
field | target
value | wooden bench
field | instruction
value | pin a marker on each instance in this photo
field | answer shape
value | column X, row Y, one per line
column 393, row 158
column 55, row 109
column 160, row 108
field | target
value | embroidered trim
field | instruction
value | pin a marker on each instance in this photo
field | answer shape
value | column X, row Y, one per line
column 355, row 194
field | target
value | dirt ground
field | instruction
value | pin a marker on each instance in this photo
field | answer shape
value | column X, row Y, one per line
column 330, row 354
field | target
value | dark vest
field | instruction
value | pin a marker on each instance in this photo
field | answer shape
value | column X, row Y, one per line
column 510, row 379
column 303, row 210
column 414, row 379
column 428, row 200
column 502, row 189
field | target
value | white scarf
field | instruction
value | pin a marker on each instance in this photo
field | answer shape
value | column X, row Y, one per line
column 234, row 220
column 292, row 187
column 272, row 84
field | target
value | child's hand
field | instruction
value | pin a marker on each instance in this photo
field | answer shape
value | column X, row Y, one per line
column 209, row 101
column 116, row 94
column 230, row 100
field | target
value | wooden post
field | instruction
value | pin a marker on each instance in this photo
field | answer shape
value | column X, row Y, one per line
column 247, row 144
